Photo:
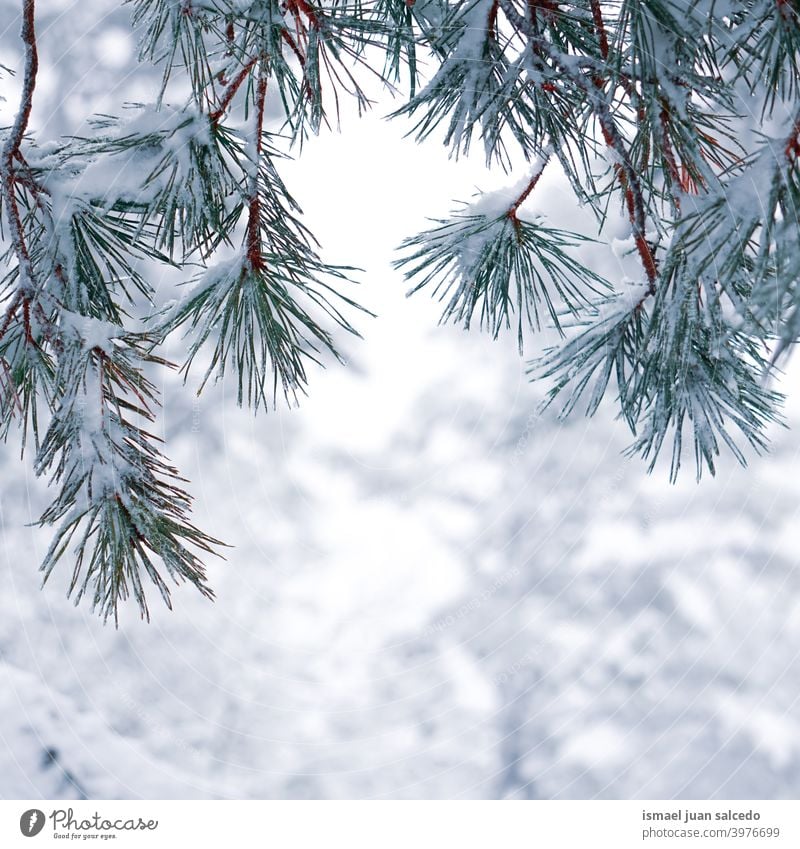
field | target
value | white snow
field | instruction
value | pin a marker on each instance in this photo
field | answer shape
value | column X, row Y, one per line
column 432, row 593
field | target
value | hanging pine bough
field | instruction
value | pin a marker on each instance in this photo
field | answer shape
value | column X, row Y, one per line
column 655, row 94
column 171, row 185
column 645, row 105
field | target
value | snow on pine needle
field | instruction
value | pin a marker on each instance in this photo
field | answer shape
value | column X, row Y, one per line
column 672, row 113
column 682, row 370
column 175, row 172
column 702, row 381
column 494, row 262
column 663, row 110
column 88, row 215
column 481, row 84
column 119, row 502
column 261, row 312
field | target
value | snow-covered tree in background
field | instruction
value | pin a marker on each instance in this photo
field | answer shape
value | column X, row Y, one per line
column 682, row 114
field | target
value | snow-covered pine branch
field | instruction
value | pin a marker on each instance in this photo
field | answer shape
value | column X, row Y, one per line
column 659, row 95
column 119, row 503
column 168, row 184
column 676, row 120
column 492, row 259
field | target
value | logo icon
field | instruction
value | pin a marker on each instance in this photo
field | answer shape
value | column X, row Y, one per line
column 31, row 822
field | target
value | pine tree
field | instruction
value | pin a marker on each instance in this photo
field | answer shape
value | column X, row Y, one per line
column 681, row 114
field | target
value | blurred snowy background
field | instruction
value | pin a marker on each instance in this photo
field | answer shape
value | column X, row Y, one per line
column 433, row 591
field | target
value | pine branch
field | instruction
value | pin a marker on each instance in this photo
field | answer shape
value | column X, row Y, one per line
column 233, row 87
column 63, row 346
column 488, row 258
column 713, row 226
column 11, row 149
column 119, row 500
column 647, row 90
column 602, row 110
column 261, row 310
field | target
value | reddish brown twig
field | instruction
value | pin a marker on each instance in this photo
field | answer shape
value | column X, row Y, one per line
column 11, row 311
column 12, row 146
column 253, row 237
column 535, row 177
column 230, row 91
column 491, row 29
column 669, row 157
column 307, row 10
column 28, row 34
column 600, row 28
column 626, row 172
column 792, row 147
column 548, row 7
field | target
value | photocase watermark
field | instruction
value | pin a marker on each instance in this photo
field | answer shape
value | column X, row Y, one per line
column 526, row 660
column 614, row 484
column 652, row 513
column 66, row 826
column 31, row 822
column 470, row 606
column 522, row 443
column 158, row 728
column 195, row 427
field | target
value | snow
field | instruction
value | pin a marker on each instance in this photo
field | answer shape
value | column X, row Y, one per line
column 496, row 203
column 747, row 195
column 430, row 11
column 492, row 207
column 93, row 332
column 359, row 648
column 465, row 62
column 434, row 592
column 604, row 745
column 222, row 273
column 107, row 168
